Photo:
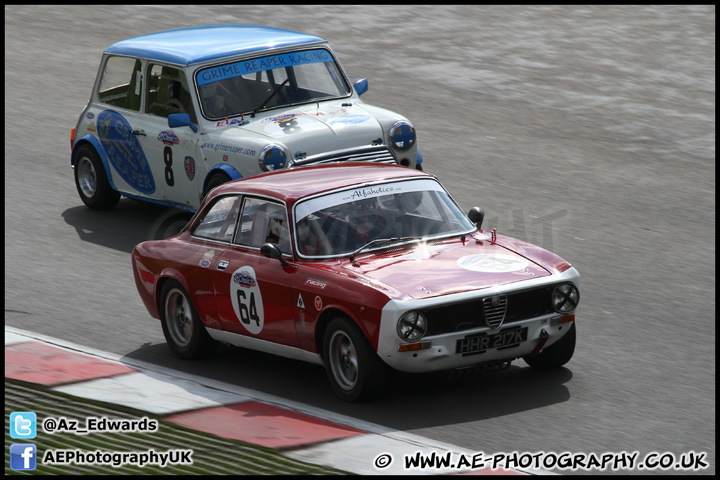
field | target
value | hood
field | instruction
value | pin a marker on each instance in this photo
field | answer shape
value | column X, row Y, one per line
column 318, row 127
column 442, row 268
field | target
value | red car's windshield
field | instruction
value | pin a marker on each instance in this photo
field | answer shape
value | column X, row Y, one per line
column 341, row 222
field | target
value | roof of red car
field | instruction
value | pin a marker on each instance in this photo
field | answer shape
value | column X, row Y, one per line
column 293, row 184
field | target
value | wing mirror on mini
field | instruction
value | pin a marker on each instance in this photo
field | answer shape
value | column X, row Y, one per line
column 271, row 250
column 176, row 120
column 476, row 215
column 361, row 86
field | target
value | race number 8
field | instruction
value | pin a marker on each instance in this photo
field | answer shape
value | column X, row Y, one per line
column 169, row 176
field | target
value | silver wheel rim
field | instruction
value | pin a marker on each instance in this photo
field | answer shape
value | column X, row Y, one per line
column 343, row 360
column 178, row 317
column 87, row 178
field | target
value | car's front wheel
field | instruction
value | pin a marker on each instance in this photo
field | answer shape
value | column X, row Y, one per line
column 215, row 180
column 181, row 324
column 557, row 354
column 92, row 182
column 355, row 371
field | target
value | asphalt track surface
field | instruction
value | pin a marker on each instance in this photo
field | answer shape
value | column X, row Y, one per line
column 589, row 130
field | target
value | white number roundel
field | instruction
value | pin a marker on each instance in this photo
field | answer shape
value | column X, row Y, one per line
column 247, row 299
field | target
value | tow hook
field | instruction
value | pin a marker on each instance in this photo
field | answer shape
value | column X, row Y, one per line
column 543, row 339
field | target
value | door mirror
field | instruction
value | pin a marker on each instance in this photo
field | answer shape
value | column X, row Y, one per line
column 176, row 120
column 271, row 250
column 476, row 215
column 361, row 86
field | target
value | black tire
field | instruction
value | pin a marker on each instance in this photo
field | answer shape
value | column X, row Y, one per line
column 355, row 371
column 216, row 179
column 91, row 180
column 557, row 354
column 181, row 324
column 171, row 226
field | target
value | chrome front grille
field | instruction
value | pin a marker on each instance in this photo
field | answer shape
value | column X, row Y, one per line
column 378, row 154
column 495, row 308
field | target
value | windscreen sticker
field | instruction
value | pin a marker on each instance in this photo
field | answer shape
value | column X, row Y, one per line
column 492, row 263
column 124, row 151
column 245, row 67
column 247, row 299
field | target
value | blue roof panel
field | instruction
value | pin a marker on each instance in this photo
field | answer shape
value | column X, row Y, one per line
column 190, row 45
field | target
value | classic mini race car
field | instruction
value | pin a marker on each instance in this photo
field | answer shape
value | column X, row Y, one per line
column 358, row 267
column 176, row 113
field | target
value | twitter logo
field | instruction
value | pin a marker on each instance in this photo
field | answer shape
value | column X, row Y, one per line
column 23, row 425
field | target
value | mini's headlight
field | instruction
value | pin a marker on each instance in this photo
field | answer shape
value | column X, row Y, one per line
column 565, row 298
column 412, row 326
column 272, row 157
column 402, row 135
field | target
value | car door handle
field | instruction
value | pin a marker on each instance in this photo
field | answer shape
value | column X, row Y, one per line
column 139, row 132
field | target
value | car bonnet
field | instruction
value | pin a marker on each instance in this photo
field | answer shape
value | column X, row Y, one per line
column 318, row 128
column 442, row 268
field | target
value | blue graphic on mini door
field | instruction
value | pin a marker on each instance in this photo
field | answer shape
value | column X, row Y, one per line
column 124, row 151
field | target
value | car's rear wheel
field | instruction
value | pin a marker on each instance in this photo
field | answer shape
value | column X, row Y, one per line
column 92, row 182
column 216, row 179
column 355, row 371
column 557, row 354
column 181, row 324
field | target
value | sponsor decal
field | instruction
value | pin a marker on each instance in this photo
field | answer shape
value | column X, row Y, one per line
column 351, row 120
column 300, row 303
column 168, row 137
column 124, row 151
column 215, row 74
column 91, row 127
column 247, row 299
column 282, row 118
column 318, row 303
column 207, row 259
column 225, row 158
column 244, row 278
column 190, row 167
column 228, row 148
column 315, row 283
column 493, row 263
column 90, row 115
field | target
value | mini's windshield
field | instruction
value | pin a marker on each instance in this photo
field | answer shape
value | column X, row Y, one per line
column 339, row 223
column 248, row 85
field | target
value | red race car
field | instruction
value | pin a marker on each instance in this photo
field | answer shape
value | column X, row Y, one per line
column 357, row 267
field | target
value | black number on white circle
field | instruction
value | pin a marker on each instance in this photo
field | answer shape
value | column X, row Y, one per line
column 248, row 312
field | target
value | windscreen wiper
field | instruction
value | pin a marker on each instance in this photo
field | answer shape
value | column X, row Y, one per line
column 378, row 241
column 274, row 92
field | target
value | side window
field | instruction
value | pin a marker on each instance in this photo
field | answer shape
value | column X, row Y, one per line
column 121, row 83
column 218, row 223
column 263, row 221
column 168, row 92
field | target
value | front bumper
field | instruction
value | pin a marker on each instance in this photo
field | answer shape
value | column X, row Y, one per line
column 439, row 352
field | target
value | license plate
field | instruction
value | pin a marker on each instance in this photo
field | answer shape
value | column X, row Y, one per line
column 480, row 343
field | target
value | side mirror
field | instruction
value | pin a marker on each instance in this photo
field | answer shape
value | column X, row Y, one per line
column 476, row 215
column 271, row 250
column 361, row 86
column 176, row 120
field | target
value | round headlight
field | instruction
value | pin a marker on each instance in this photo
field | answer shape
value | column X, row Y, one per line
column 272, row 157
column 565, row 298
column 402, row 135
column 412, row 326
